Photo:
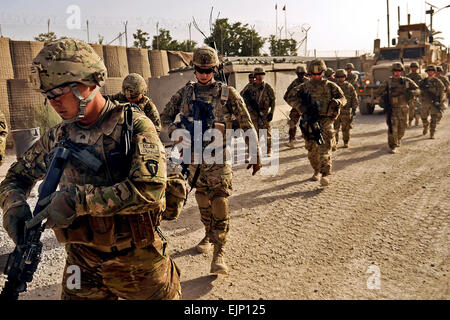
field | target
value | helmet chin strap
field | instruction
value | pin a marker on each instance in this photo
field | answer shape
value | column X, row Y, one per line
column 82, row 102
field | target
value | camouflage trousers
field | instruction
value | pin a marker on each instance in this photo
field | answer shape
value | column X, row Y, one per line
column 263, row 124
column 399, row 120
column 344, row 120
column 214, row 186
column 414, row 110
column 430, row 111
column 320, row 156
column 134, row 273
column 294, row 117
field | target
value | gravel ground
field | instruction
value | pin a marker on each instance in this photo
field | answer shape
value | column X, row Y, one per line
column 382, row 214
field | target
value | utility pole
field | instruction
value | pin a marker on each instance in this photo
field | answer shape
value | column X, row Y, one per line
column 157, row 36
column 276, row 21
column 48, row 26
column 253, row 31
column 190, row 36
column 388, row 31
column 87, row 30
column 285, row 22
column 126, row 34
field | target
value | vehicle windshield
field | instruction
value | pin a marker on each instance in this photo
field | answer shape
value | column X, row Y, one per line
column 414, row 53
column 389, row 54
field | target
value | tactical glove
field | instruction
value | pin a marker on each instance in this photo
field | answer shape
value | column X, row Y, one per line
column 353, row 112
column 14, row 221
column 59, row 209
column 269, row 117
column 258, row 165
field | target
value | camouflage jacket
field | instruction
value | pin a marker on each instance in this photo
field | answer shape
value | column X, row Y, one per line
column 324, row 92
column 264, row 95
column 293, row 84
column 111, row 202
column 416, row 77
column 3, row 136
column 351, row 96
column 446, row 83
column 353, row 79
column 146, row 105
column 247, row 86
column 401, row 90
column 432, row 90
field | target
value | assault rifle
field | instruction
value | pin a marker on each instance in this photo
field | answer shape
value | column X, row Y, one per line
column 309, row 123
column 388, row 106
column 434, row 100
column 254, row 105
column 24, row 260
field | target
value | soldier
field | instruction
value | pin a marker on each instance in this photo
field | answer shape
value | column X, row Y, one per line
column 444, row 81
column 348, row 110
column 134, row 88
column 3, row 136
column 414, row 107
column 401, row 91
column 330, row 98
column 352, row 77
column 294, row 116
column 329, row 75
column 432, row 97
column 260, row 101
column 214, row 183
column 251, row 81
column 106, row 219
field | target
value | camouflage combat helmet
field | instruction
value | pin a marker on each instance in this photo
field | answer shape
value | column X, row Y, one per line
column 258, row 70
column 340, row 73
column 397, row 66
column 300, row 69
column 349, row 66
column 414, row 65
column 134, row 85
column 66, row 62
column 317, row 66
column 251, row 75
column 205, row 57
column 329, row 72
column 439, row 69
column 430, row 68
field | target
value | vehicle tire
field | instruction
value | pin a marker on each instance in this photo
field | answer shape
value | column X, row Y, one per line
column 370, row 108
column 364, row 108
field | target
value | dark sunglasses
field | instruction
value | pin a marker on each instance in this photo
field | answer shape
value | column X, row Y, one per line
column 204, row 71
column 340, row 77
column 316, row 74
column 57, row 92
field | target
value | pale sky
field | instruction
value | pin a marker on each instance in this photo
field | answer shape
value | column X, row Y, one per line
column 335, row 24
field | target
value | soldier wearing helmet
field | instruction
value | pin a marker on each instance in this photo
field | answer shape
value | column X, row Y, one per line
column 445, row 81
column 328, row 98
column 348, row 110
column 134, row 89
column 400, row 91
column 213, row 105
column 414, row 107
column 260, row 101
column 294, row 116
column 352, row 77
column 329, row 75
column 432, row 98
column 251, row 81
column 107, row 219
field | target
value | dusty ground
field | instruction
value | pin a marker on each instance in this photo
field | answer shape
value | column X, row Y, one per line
column 291, row 239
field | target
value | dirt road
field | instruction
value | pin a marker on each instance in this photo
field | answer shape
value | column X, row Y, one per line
column 379, row 231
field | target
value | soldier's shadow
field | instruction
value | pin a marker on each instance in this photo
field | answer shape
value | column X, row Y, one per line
column 196, row 288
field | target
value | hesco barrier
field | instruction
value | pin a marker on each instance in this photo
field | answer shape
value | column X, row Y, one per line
column 138, row 62
column 116, row 61
column 97, row 48
column 27, row 108
column 112, row 86
column 4, row 107
column 179, row 59
column 159, row 63
column 22, row 54
column 6, row 68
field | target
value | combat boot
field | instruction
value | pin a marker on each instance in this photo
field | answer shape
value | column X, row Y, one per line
column 393, row 151
column 333, row 148
column 346, row 145
column 431, row 134
column 325, row 181
column 204, row 246
column 290, row 144
column 316, row 176
column 218, row 265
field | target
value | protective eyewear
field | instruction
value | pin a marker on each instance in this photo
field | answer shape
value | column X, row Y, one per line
column 204, row 71
column 57, row 92
column 316, row 74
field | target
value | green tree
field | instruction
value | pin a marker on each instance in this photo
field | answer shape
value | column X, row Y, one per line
column 140, row 39
column 101, row 39
column 46, row 37
column 437, row 40
column 282, row 47
column 235, row 39
column 164, row 41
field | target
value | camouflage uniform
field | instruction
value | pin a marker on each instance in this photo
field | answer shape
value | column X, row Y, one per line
column 431, row 88
column 401, row 91
column 112, row 237
column 214, row 184
column 348, row 110
column 414, row 107
column 445, row 82
column 3, row 136
column 294, row 116
column 352, row 78
column 146, row 105
column 265, row 97
column 330, row 98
